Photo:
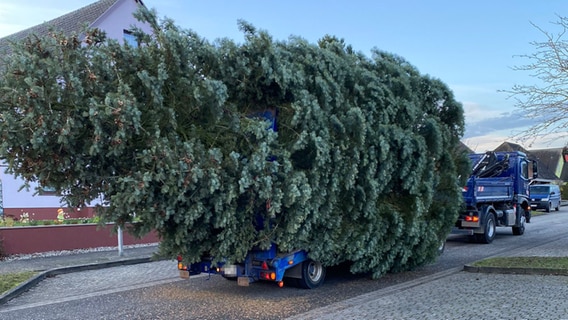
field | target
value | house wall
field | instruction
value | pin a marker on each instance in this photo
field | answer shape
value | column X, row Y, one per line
column 39, row 207
column 119, row 18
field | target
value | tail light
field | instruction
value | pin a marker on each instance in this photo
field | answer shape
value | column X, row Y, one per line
column 180, row 264
column 268, row 276
column 471, row 218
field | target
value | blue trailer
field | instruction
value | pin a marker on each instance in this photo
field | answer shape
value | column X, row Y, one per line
column 268, row 265
column 496, row 195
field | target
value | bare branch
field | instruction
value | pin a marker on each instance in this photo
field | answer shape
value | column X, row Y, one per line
column 547, row 101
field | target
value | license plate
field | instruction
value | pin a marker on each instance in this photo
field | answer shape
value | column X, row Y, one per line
column 230, row 270
column 467, row 224
column 184, row 274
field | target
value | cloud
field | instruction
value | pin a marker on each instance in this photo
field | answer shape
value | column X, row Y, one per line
column 491, row 141
column 514, row 122
column 475, row 112
column 484, row 143
column 484, row 119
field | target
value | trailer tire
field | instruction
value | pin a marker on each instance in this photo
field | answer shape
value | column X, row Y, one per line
column 489, row 231
column 313, row 274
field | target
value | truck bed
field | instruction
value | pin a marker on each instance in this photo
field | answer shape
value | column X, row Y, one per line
column 481, row 190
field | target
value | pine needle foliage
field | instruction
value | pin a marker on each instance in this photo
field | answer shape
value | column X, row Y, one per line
column 363, row 167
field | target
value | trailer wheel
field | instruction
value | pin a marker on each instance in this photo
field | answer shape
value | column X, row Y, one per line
column 489, row 232
column 313, row 274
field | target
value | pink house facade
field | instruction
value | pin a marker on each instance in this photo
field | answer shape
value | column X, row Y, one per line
column 116, row 18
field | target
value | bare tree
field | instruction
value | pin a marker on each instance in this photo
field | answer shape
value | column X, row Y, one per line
column 546, row 101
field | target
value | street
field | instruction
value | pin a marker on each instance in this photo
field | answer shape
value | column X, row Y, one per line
column 155, row 291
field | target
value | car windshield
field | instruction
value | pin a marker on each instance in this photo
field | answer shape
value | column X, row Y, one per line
column 540, row 189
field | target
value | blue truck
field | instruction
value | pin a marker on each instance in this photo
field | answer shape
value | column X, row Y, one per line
column 496, row 195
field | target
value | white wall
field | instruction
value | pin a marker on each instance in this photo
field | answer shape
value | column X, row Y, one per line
column 119, row 18
column 12, row 198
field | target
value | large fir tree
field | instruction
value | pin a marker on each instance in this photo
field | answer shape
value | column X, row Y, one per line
column 363, row 165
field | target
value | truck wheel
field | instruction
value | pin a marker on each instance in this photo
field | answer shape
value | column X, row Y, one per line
column 441, row 247
column 518, row 231
column 557, row 206
column 548, row 207
column 489, row 232
column 313, row 274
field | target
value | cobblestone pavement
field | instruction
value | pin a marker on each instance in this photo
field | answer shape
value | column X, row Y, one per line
column 72, row 285
column 462, row 295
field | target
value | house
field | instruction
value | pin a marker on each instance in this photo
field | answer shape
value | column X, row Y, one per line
column 551, row 165
column 115, row 17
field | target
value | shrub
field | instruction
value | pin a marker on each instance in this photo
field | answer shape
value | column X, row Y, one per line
column 9, row 222
column 564, row 191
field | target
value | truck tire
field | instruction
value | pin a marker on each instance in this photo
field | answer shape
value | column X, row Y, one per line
column 313, row 274
column 549, row 206
column 489, row 231
column 519, row 231
column 441, row 247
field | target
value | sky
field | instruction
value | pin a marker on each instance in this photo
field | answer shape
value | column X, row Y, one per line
column 472, row 46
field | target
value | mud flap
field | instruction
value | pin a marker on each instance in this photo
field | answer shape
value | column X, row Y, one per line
column 243, row 281
column 184, row 274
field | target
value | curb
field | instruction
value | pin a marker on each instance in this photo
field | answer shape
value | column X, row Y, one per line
column 25, row 286
column 526, row 271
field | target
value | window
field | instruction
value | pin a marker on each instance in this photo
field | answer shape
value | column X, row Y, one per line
column 130, row 39
column 46, row 190
column 525, row 170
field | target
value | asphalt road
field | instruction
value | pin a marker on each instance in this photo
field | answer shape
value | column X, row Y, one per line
column 154, row 290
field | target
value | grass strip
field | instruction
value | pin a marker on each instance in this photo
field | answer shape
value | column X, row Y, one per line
column 12, row 280
column 524, row 262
